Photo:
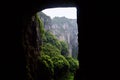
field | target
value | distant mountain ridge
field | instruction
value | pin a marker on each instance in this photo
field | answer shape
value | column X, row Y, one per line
column 64, row 29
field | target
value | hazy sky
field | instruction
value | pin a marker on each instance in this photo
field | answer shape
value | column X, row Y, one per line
column 70, row 12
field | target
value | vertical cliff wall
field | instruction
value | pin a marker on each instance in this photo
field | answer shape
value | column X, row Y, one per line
column 31, row 42
column 64, row 29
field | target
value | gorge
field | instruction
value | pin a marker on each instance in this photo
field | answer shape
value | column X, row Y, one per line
column 64, row 29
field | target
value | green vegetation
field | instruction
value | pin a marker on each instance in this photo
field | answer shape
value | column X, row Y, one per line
column 50, row 50
column 50, row 38
column 53, row 61
column 46, row 67
column 41, row 26
column 64, row 48
column 73, row 64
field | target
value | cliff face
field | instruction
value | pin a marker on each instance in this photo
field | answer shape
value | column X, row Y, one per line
column 64, row 29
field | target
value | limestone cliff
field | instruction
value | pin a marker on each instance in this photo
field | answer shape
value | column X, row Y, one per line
column 64, row 29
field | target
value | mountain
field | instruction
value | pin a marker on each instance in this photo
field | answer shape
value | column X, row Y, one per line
column 64, row 29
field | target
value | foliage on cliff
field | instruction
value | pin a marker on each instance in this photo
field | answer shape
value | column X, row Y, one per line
column 50, row 38
column 64, row 48
column 53, row 61
column 64, row 29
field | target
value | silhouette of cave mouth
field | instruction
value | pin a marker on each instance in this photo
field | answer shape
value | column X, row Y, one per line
column 31, row 36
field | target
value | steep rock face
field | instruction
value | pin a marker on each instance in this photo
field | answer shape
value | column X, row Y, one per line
column 31, row 41
column 46, row 20
column 64, row 29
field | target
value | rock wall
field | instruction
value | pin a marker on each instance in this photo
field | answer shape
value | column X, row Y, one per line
column 31, row 42
column 64, row 29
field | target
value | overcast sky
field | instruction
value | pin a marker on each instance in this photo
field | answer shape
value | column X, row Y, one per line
column 70, row 12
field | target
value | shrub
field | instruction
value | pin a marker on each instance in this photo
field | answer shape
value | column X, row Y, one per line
column 74, row 64
column 61, row 66
column 45, row 67
column 50, row 38
column 50, row 50
column 64, row 48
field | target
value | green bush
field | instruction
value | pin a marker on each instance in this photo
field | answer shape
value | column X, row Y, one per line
column 74, row 64
column 50, row 38
column 61, row 66
column 64, row 48
column 45, row 67
column 50, row 50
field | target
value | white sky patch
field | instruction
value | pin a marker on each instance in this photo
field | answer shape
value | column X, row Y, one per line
column 69, row 12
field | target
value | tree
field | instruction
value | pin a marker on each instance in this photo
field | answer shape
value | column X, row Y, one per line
column 45, row 67
column 74, row 64
column 50, row 50
column 61, row 66
column 64, row 48
column 50, row 38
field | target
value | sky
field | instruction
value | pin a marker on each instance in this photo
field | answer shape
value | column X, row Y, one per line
column 69, row 12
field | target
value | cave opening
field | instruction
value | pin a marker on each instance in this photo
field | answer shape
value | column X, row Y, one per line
column 62, row 23
column 57, row 38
